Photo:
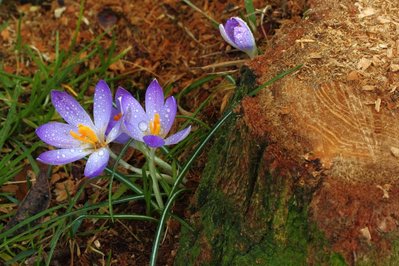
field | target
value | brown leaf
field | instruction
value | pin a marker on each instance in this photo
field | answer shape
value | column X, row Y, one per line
column 37, row 200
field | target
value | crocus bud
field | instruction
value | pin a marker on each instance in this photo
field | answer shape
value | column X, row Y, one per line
column 237, row 33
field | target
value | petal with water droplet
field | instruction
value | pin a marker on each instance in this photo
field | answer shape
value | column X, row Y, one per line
column 97, row 162
column 62, row 156
column 58, row 135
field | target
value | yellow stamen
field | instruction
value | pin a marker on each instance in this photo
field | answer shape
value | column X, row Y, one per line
column 85, row 134
column 155, row 125
column 117, row 117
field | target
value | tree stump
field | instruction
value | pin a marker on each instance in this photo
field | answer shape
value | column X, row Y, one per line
column 306, row 173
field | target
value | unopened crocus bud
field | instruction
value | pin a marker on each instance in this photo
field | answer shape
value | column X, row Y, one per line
column 237, row 33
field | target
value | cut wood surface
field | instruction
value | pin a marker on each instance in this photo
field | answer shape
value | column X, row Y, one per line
column 308, row 171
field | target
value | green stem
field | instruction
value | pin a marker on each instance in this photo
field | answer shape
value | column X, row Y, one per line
column 161, row 163
column 130, row 167
column 153, row 173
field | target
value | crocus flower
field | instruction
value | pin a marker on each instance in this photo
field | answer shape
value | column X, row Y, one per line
column 80, row 136
column 152, row 125
column 237, row 33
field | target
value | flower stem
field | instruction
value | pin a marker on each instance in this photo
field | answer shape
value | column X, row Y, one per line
column 161, row 163
column 153, row 173
column 139, row 171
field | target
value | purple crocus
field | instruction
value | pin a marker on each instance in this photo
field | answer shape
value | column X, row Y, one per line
column 237, row 33
column 80, row 136
column 152, row 125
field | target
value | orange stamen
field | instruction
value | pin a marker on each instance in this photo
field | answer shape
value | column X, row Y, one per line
column 117, row 117
column 85, row 134
column 155, row 125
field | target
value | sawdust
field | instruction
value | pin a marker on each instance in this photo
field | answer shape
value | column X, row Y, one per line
column 343, row 102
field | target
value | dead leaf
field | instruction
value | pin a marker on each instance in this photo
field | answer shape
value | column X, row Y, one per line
column 37, row 200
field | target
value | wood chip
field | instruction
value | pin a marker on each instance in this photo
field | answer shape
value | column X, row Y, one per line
column 394, row 67
column 58, row 11
column 377, row 105
column 315, row 56
column 353, row 75
column 368, row 88
column 384, row 191
column 395, row 152
column 363, row 64
column 366, row 233
column 367, row 12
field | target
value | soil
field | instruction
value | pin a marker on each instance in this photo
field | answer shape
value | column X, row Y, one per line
column 167, row 40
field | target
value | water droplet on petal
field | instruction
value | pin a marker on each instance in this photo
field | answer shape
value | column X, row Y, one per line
column 101, row 153
column 168, row 110
column 166, row 115
column 143, row 126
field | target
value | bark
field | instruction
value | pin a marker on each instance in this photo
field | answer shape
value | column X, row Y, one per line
column 306, row 173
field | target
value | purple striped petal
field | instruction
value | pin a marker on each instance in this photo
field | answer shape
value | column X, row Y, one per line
column 62, row 156
column 58, row 135
column 154, row 99
column 69, row 109
column 167, row 114
column 97, row 162
column 179, row 136
column 153, row 141
column 102, row 107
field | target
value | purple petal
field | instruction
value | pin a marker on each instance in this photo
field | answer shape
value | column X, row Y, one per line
column 154, row 99
column 97, row 162
column 228, row 30
column 112, row 121
column 58, row 135
column 102, row 106
column 62, row 156
column 114, row 132
column 125, row 101
column 167, row 114
column 134, row 127
column 72, row 112
column 237, row 33
column 153, row 141
column 122, row 138
column 179, row 136
column 122, row 93
column 243, row 36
